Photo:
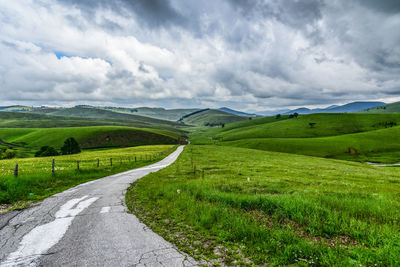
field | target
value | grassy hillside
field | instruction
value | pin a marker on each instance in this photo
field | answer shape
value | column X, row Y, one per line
column 84, row 112
column 360, row 137
column 158, row 113
column 243, row 206
column 358, row 146
column 212, row 117
column 30, row 140
column 321, row 125
column 389, row 108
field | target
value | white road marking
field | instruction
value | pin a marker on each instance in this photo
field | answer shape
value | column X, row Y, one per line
column 41, row 238
column 105, row 209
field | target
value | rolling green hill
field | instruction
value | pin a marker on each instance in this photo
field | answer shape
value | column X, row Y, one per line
column 381, row 145
column 361, row 137
column 389, row 108
column 210, row 117
column 30, row 140
column 315, row 125
column 89, row 112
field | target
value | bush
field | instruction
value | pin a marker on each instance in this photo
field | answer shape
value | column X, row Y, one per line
column 46, row 151
column 9, row 154
column 70, row 146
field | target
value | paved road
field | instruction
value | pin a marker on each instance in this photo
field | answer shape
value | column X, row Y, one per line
column 87, row 226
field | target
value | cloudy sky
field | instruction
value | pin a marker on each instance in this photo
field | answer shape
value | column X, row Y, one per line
column 245, row 54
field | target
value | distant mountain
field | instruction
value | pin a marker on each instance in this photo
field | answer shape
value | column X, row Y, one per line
column 272, row 112
column 239, row 113
column 350, row 107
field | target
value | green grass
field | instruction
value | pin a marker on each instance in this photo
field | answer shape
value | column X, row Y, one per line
column 212, row 117
column 272, row 208
column 35, row 180
column 32, row 139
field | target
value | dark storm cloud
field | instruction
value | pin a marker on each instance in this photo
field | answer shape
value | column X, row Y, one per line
column 388, row 6
column 153, row 13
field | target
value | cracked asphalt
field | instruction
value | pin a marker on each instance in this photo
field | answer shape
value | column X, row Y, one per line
column 87, row 225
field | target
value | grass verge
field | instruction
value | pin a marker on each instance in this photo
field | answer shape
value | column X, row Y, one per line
column 240, row 207
column 36, row 181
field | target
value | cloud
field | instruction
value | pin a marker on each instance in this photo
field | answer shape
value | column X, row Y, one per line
column 246, row 54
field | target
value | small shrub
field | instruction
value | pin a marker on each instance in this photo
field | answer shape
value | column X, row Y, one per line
column 46, row 151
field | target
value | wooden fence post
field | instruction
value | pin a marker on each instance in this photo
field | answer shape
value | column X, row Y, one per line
column 16, row 170
column 135, row 158
column 77, row 164
column 110, row 161
column 53, row 166
column 120, row 161
column 202, row 174
column 129, row 158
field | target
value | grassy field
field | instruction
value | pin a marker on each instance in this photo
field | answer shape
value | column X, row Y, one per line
column 29, row 140
column 245, row 206
column 36, row 181
column 212, row 117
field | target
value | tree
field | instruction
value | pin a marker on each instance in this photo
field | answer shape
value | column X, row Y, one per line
column 70, row 147
column 278, row 116
column 46, row 151
column 222, row 125
column 295, row 114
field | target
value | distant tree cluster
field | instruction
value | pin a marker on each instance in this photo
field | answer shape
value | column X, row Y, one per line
column 294, row 115
column 6, row 153
column 213, row 124
column 70, row 146
column 387, row 124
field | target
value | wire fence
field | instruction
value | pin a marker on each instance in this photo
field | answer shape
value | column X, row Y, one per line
column 56, row 165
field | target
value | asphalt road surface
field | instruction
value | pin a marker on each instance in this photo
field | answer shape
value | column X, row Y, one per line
column 87, row 225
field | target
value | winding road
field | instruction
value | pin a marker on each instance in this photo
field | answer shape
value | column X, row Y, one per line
column 87, row 225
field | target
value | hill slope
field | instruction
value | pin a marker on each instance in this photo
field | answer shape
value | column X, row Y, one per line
column 389, row 108
column 210, row 117
column 30, row 140
column 314, row 125
column 86, row 112
column 157, row 113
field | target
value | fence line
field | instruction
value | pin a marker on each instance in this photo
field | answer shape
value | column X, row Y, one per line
column 97, row 162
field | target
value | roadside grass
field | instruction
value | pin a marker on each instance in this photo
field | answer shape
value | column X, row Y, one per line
column 36, row 181
column 258, row 207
